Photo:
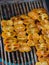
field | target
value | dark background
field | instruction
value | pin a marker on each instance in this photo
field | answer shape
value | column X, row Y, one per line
column 47, row 3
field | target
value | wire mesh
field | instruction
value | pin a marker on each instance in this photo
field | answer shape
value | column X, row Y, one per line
column 12, row 9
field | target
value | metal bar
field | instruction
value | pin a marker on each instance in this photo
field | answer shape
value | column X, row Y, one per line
column 2, row 54
column 5, row 11
column 30, row 5
column 24, row 58
column 27, row 7
column 1, row 12
column 35, row 4
column 8, row 10
column 28, row 58
column 18, row 9
column 38, row 4
column 32, row 58
column 9, row 58
column 24, row 8
column 17, row 58
column 21, row 58
column 21, row 8
column 12, row 9
column 5, row 57
column 42, row 4
column 15, row 9
column 35, row 57
column 14, row 61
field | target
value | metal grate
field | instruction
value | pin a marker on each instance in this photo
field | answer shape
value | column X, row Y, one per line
column 8, row 10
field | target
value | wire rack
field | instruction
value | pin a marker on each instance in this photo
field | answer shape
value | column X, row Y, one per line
column 14, row 8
